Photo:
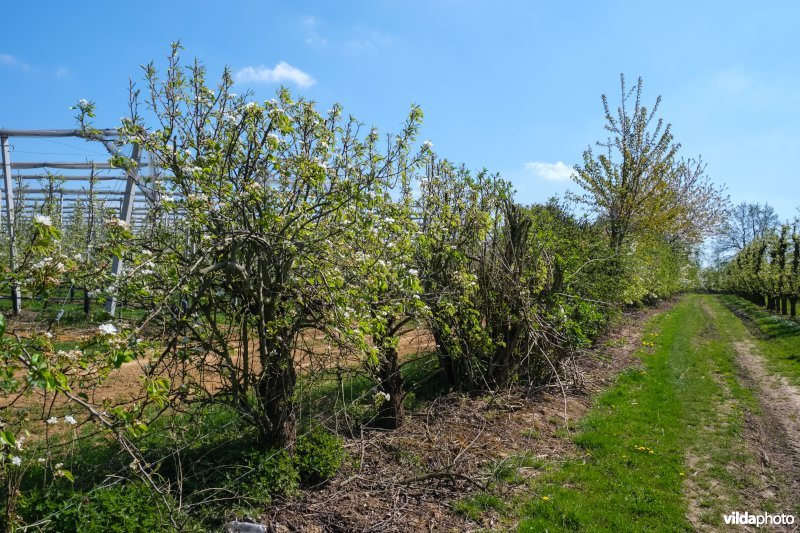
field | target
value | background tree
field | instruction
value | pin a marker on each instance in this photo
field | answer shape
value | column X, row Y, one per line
column 640, row 190
column 743, row 223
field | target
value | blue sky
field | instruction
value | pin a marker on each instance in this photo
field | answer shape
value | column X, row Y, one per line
column 513, row 86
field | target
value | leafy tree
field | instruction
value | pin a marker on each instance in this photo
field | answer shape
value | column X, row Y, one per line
column 274, row 197
column 640, row 190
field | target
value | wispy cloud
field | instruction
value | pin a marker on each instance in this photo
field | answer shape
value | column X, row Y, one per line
column 309, row 21
column 281, row 73
column 313, row 36
column 368, row 43
column 550, row 171
column 62, row 72
column 11, row 61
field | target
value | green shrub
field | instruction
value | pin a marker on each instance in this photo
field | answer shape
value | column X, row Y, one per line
column 318, row 455
column 585, row 322
column 125, row 507
column 269, row 473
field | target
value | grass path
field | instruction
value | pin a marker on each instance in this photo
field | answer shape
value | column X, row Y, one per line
column 677, row 442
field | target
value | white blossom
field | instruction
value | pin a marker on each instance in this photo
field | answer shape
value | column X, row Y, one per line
column 43, row 220
column 117, row 223
column 413, row 271
column 107, row 329
column 16, row 461
column 52, row 420
column 69, row 419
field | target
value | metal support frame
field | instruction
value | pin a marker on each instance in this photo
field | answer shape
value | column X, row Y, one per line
column 125, row 214
column 8, row 190
column 128, row 202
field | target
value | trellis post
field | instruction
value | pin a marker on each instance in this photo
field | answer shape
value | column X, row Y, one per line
column 16, row 297
column 126, row 215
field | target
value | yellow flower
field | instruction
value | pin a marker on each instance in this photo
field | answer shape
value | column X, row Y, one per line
column 546, row 498
column 681, row 474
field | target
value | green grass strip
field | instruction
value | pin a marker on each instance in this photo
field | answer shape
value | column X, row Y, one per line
column 636, row 439
column 780, row 337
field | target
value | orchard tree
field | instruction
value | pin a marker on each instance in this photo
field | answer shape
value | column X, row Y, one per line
column 272, row 197
column 387, row 298
column 456, row 217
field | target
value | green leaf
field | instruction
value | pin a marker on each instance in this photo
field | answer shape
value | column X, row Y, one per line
column 7, row 438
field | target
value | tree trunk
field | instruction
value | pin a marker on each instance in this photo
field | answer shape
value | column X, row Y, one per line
column 87, row 303
column 793, row 307
column 447, row 365
column 391, row 412
column 275, row 390
column 783, row 305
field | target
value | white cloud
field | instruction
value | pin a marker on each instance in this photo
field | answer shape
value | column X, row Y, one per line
column 283, row 72
column 62, row 72
column 11, row 61
column 309, row 21
column 550, row 171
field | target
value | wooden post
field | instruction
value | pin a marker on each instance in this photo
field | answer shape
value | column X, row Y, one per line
column 9, row 193
column 126, row 215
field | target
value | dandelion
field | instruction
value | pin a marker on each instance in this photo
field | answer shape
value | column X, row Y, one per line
column 546, row 498
column 52, row 420
column 16, row 461
column 69, row 419
column 107, row 329
column 681, row 474
column 43, row 220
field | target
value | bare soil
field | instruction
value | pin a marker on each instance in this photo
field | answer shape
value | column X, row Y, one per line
column 772, row 434
column 407, row 479
column 775, row 431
